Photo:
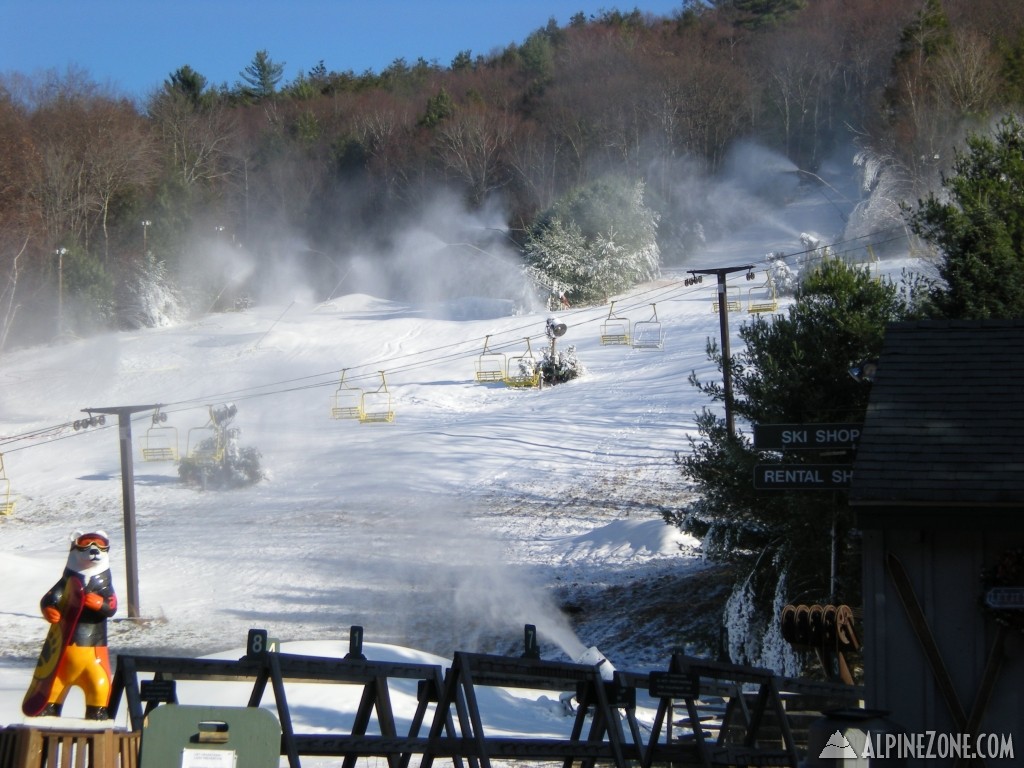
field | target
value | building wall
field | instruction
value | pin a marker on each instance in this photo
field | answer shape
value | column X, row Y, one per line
column 945, row 569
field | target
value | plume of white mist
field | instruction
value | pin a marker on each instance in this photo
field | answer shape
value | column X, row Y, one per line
column 458, row 582
column 754, row 183
column 761, row 171
column 501, row 602
column 217, row 272
column 878, row 216
column 443, row 254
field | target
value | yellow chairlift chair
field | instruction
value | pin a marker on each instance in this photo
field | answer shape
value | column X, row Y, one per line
column 615, row 329
column 733, row 305
column 762, row 298
column 206, row 444
column 347, row 402
column 160, row 442
column 871, row 264
column 376, row 404
column 523, row 370
column 491, row 366
column 6, row 503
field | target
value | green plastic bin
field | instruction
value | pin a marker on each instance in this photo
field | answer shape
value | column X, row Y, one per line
column 184, row 736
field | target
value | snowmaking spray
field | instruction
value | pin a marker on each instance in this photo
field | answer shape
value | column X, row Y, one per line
column 566, row 639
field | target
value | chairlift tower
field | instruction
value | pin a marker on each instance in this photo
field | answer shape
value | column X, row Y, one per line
column 124, row 429
column 723, row 323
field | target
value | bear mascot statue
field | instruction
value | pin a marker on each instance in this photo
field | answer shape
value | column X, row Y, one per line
column 75, row 650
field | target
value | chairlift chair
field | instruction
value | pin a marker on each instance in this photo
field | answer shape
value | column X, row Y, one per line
column 160, row 442
column 6, row 503
column 206, row 443
column 347, row 402
column 648, row 334
column 764, row 300
column 491, row 366
column 523, row 370
column 733, row 305
column 376, row 404
column 615, row 329
column 872, row 264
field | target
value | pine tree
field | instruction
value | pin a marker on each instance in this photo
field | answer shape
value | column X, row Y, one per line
column 189, row 83
column 977, row 225
column 260, row 78
column 793, row 368
column 765, row 13
column 439, row 107
column 597, row 241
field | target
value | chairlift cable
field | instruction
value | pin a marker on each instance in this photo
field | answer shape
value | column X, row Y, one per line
column 666, row 293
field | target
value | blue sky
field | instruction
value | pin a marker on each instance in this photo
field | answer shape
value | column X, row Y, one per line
column 134, row 45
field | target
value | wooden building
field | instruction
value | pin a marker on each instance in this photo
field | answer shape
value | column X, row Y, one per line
column 938, row 490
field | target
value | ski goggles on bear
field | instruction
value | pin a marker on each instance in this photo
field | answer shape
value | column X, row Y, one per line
column 87, row 540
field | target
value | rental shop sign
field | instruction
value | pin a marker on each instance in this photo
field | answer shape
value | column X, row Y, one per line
column 804, row 437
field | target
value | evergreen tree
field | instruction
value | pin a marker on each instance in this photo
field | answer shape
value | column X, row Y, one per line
column 463, row 61
column 260, row 78
column 978, row 227
column 926, row 35
column 754, row 14
column 793, row 368
column 597, row 241
column 439, row 107
column 188, row 83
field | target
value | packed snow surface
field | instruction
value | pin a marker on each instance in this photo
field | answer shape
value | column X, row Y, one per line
column 478, row 509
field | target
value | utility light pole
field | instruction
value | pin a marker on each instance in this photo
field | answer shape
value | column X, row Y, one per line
column 146, row 224
column 723, row 322
column 61, row 253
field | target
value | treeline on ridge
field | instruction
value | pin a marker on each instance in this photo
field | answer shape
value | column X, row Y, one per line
column 109, row 207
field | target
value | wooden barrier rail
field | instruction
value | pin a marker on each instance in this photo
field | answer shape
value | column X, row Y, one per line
column 276, row 669
column 27, row 746
column 733, row 714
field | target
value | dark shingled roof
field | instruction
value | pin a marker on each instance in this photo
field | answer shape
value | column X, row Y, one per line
column 944, row 429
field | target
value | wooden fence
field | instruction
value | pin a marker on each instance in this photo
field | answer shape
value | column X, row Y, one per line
column 708, row 713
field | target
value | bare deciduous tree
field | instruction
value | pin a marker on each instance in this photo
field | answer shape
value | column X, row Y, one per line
column 385, row 129
column 472, row 143
column 9, row 292
column 196, row 139
column 120, row 157
column 966, row 73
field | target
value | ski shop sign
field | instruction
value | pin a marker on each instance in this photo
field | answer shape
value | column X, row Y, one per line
column 795, row 437
column 804, row 437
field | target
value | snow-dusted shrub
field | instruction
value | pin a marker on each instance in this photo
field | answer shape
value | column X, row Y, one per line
column 884, row 185
column 743, row 624
column 776, row 652
column 753, row 635
column 784, row 277
column 597, row 241
column 564, row 366
column 238, row 468
column 148, row 298
column 218, row 461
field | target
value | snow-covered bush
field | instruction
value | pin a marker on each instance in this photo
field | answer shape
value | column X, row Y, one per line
column 237, row 468
column 148, row 298
column 564, row 366
column 884, row 185
column 754, row 636
column 597, row 241
column 783, row 276
column 218, row 461
column 743, row 624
